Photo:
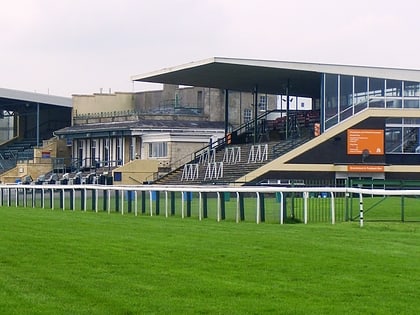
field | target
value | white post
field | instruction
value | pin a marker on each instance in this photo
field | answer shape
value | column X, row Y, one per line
column 135, row 203
column 96, row 200
column 73, row 199
column 84, row 199
column 258, row 208
column 151, row 202
column 218, row 207
column 109, row 201
column 200, row 210
column 122, row 201
column 281, row 208
column 237, row 207
column 166, row 203
column 182, row 204
column 64, row 199
column 361, row 208
column 305, row 207
column 332, row 209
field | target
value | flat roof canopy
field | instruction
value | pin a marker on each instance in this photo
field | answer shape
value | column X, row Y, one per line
column 19, row 101
column 272, row 77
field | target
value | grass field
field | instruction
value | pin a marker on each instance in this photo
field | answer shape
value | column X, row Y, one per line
column 74, row 262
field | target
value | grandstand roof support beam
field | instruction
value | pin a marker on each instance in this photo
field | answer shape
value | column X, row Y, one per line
column 255, row 113
column 226, row 112
column 287, row 108
column 37, row 124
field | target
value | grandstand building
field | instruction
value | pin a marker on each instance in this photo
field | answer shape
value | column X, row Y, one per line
column 27, row 123
column 112, row 130
column 364, row 121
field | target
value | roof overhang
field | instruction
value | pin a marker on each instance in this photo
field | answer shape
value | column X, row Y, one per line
column 8, row 95
column 272, row 77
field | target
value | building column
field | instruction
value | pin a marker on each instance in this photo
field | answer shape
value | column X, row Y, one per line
column 255, row 114
column 226, row 112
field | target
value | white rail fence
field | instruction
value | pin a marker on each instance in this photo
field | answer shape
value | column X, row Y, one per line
column 47, row 196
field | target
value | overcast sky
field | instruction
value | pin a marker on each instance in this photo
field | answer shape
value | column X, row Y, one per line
column 70, row 47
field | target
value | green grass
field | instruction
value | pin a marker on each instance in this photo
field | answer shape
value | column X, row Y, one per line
column 65, row 262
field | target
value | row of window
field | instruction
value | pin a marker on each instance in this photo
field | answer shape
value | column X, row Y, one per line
column 156, row 149
column 343, row 95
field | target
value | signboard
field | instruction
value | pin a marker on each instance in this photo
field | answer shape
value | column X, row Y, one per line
column 45, row 154
column 359, row 140
column 366, row 168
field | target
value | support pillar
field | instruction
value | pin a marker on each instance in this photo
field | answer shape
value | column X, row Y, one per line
column 255, row 114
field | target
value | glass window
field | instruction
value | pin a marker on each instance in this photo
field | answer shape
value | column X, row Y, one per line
column 360, row 93
column 411, row 88
column 331, row 100
column 346, row 96
column 376, row 92
column 410, row 139
column 247, row 115
column 411, row 103
column 394, row 120
column 119, row 151
column 393, row 140
column 412, row 121
column 376, row 87
column 200, row 99
column 393, row 88
column 158, row 149
column 393, row 103
column 262, row 104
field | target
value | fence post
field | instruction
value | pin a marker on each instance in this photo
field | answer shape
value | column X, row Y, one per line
column 241, row 206
column 222, row 206
column 172, row 203
column 117, row 200
column 71, row 199
column 188, row 196
column 51, row 198
column 143, row 201
column 82, row 199
column 105, row 199
column 332, row 208
column 204, row 205
column 262, row 207
column 157, row 196
column 130, row 194
column 361, row 208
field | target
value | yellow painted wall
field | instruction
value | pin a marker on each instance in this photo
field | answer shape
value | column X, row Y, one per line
column 136, row 172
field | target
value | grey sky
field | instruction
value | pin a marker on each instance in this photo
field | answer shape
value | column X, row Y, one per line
column 80, row 46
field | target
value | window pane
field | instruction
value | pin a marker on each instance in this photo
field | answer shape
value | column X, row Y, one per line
column 158, row 149
column 360, row 94
column 411, row 142
column 346, row 96
column 393, row 88
column 411, row 103
column 393, row 140
column 394, row 120
column 393, row 103
column 376, row 87
column 376, row 92
column 411, row 88
column 331, row 100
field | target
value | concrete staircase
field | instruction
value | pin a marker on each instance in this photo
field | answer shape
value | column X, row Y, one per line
column 225, row 166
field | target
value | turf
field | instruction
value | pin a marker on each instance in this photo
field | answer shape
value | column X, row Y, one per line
column 74, row 262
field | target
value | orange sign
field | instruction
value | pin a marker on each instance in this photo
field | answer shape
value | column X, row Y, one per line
column 359, row 140
column 366, row 168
